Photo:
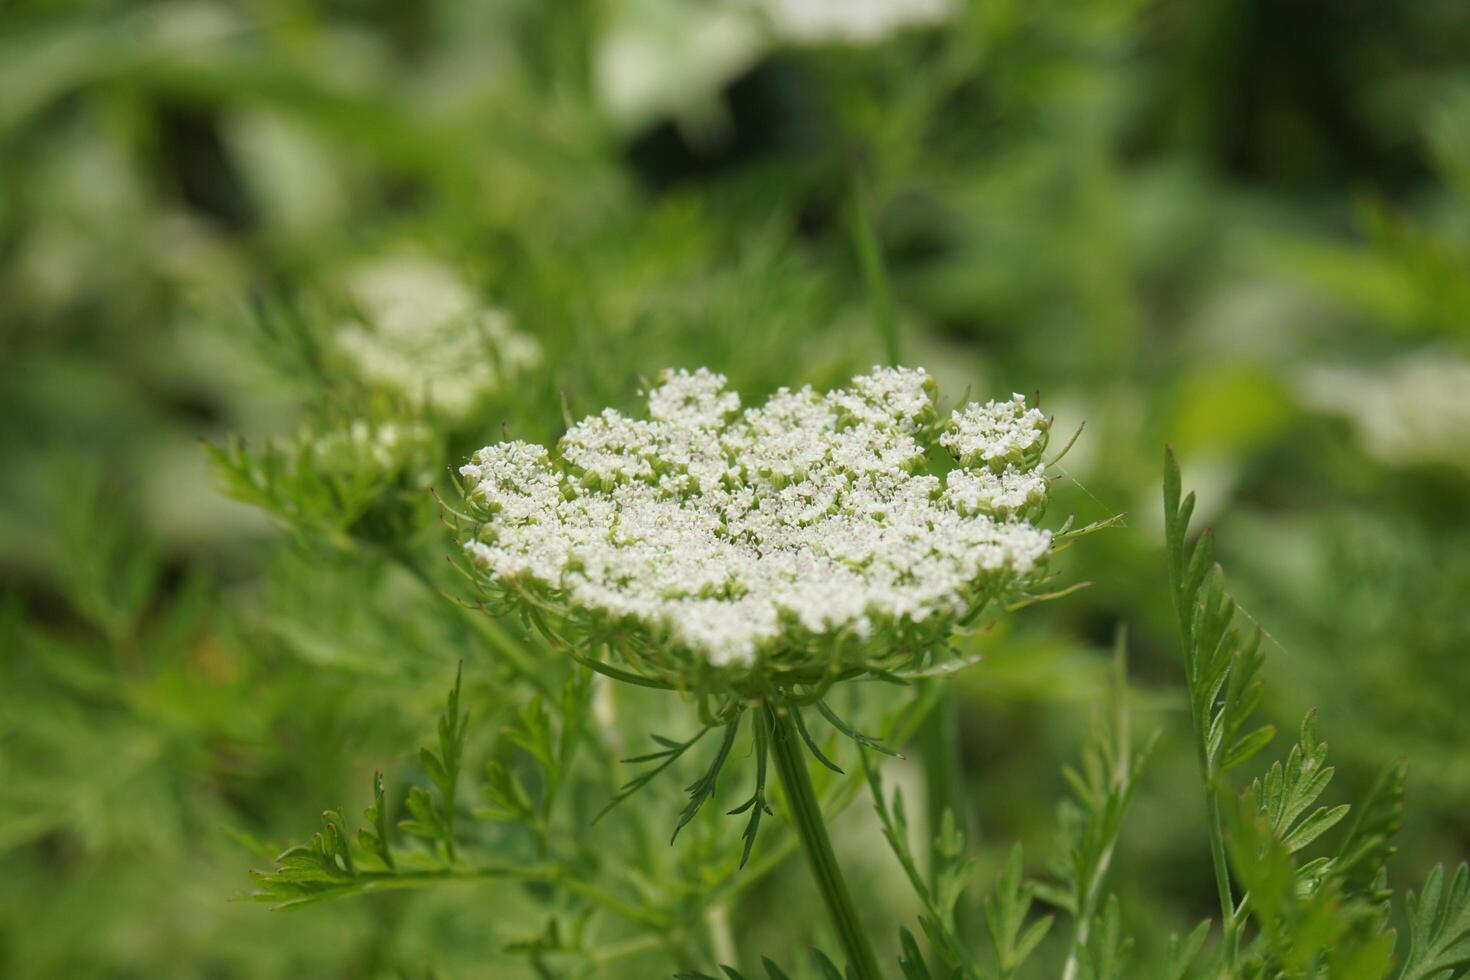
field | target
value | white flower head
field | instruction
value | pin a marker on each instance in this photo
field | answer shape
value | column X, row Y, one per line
column 802, row 538
column 996, row 434
column 425, row 335
column 1010, row 492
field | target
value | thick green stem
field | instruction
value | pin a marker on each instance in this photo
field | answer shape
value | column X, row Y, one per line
column 806, row 814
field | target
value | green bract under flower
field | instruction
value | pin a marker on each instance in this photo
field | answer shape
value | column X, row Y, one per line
column 807, row 537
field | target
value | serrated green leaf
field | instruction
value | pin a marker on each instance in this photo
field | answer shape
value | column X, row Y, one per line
column 1183, row 952
column 434, row 768
column 1321, row 820
column 1368, row 843
column 1243, row 750
column 1439, row 927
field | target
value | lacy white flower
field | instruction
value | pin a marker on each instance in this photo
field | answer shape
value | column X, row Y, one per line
column 812, row 533
column 426, row 336
column 994, row 432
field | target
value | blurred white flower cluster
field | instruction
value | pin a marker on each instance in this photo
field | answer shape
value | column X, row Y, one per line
column 1415, row 410
column 807, row 533
column 850, row 21
column 661, row 57
column 425, row 335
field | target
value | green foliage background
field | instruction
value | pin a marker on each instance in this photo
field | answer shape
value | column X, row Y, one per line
column 1167, row 218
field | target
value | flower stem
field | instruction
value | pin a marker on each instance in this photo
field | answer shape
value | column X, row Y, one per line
column 1217, row 855
column 806, row 815
column 938, row 738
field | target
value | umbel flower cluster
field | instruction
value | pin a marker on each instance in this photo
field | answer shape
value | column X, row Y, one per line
column 424, row 334
column 812, row 536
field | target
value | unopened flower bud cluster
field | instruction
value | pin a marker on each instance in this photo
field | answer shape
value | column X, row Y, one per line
column 812, row 526
column 373, row 449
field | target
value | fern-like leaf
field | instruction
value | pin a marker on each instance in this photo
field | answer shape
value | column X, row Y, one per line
column 1006, row 912
column 757, row 803
column 1439, row 927
column 704, row 787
